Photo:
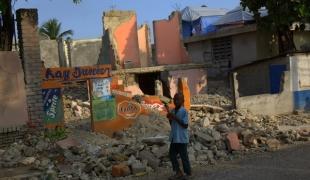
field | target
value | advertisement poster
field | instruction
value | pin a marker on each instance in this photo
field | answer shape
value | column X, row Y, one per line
column 103, row 103
column 53, row 109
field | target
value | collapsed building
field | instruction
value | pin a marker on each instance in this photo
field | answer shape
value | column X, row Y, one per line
column 216, row 134
column 128, row 49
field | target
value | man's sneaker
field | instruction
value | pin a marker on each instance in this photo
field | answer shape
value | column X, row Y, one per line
column 176, row 176
column 186, row 177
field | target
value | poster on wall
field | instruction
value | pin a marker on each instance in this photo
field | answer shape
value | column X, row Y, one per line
column 53, row 109
column 103, row 103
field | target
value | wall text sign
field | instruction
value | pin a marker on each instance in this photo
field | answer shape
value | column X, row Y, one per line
column 76, row 73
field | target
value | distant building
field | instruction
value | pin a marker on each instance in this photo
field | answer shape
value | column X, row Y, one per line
column 199, row 20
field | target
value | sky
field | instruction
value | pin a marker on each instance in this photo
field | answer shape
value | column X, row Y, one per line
column 85, row 19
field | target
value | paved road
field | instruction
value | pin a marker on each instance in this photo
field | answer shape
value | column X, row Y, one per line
column 288, row 164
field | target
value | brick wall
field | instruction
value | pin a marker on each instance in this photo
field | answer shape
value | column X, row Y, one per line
column 27, row 21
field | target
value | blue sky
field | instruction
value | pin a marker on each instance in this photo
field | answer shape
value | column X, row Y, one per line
column 85, row 19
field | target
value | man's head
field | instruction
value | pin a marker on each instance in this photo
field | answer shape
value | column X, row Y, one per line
column 178, row 100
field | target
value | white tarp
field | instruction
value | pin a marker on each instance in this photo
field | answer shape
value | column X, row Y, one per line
column 238, row 15
column 194, row 13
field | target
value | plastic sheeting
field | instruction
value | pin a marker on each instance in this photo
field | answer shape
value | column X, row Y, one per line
column 238, row 15
column 199, row 20
column 194, row 13
column 203, row 25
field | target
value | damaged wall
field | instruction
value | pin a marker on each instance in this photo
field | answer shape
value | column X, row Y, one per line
column 85, row 52
column 49, row 53
column 168, row 44
column 300, row 65
column 123, row 36
column 294, row 86
column 196, row 79
column 144, row 46
column 269, row 104
column 200, row 52
column 13, row 107
column 79, row 53
column 243, row 48
column 255, row 79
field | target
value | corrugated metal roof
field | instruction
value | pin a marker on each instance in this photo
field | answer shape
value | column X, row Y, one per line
column 191, row 13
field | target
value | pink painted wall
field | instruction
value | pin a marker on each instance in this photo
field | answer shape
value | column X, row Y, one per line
column 126, row 38
column 134, row 90
column 144, row 46
column 168, row 43
column 13, row 107
column 196, row 79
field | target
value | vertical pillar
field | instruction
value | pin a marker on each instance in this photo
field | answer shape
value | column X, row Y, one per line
column 235, row 87
column 184, row 89
column 27, row 21
column 158, row 88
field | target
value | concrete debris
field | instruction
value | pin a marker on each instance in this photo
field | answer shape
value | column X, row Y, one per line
column 120, row 170
column 273, row 144
column 67, row 143
column 138, row 167
column 152, row 161
column 215, row 134
column 28, row 160
column 233, row 141
column 207, row 107
column 159, row 140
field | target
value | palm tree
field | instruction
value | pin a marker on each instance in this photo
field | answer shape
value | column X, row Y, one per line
column 52, row 28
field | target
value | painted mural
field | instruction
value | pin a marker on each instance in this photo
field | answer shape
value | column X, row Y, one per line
column 103, row 103
column 53, row 107
column 128, row 109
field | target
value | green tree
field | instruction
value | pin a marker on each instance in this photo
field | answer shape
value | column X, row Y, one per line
column 52, row 28
column 283, row 17
column 7, row 26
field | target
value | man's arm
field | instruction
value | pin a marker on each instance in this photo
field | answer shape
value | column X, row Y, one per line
column 179, row 121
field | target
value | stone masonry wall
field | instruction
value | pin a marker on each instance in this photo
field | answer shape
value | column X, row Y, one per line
column 27, row 21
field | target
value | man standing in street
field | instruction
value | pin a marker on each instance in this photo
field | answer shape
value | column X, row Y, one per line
column 179, row 138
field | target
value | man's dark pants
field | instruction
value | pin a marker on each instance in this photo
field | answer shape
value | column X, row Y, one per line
column 179, row 148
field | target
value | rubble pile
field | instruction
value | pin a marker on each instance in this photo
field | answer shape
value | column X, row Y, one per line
column 215, row 135
column 212, row 99
column 76, row 102
column 218, row 94
column 75, row 109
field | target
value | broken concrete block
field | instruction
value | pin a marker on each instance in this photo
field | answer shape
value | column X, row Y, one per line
column 216, row 135
column 205, row 122
column 158, row 140
column 223, row 128
column 150, row 158
column 67, row 143
column 138, row 167
column 120, row 170
column 86, row 104
column 28, row 160
column 233, row 141
column 203, row 137
column 162, row 151
column 273, row 144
